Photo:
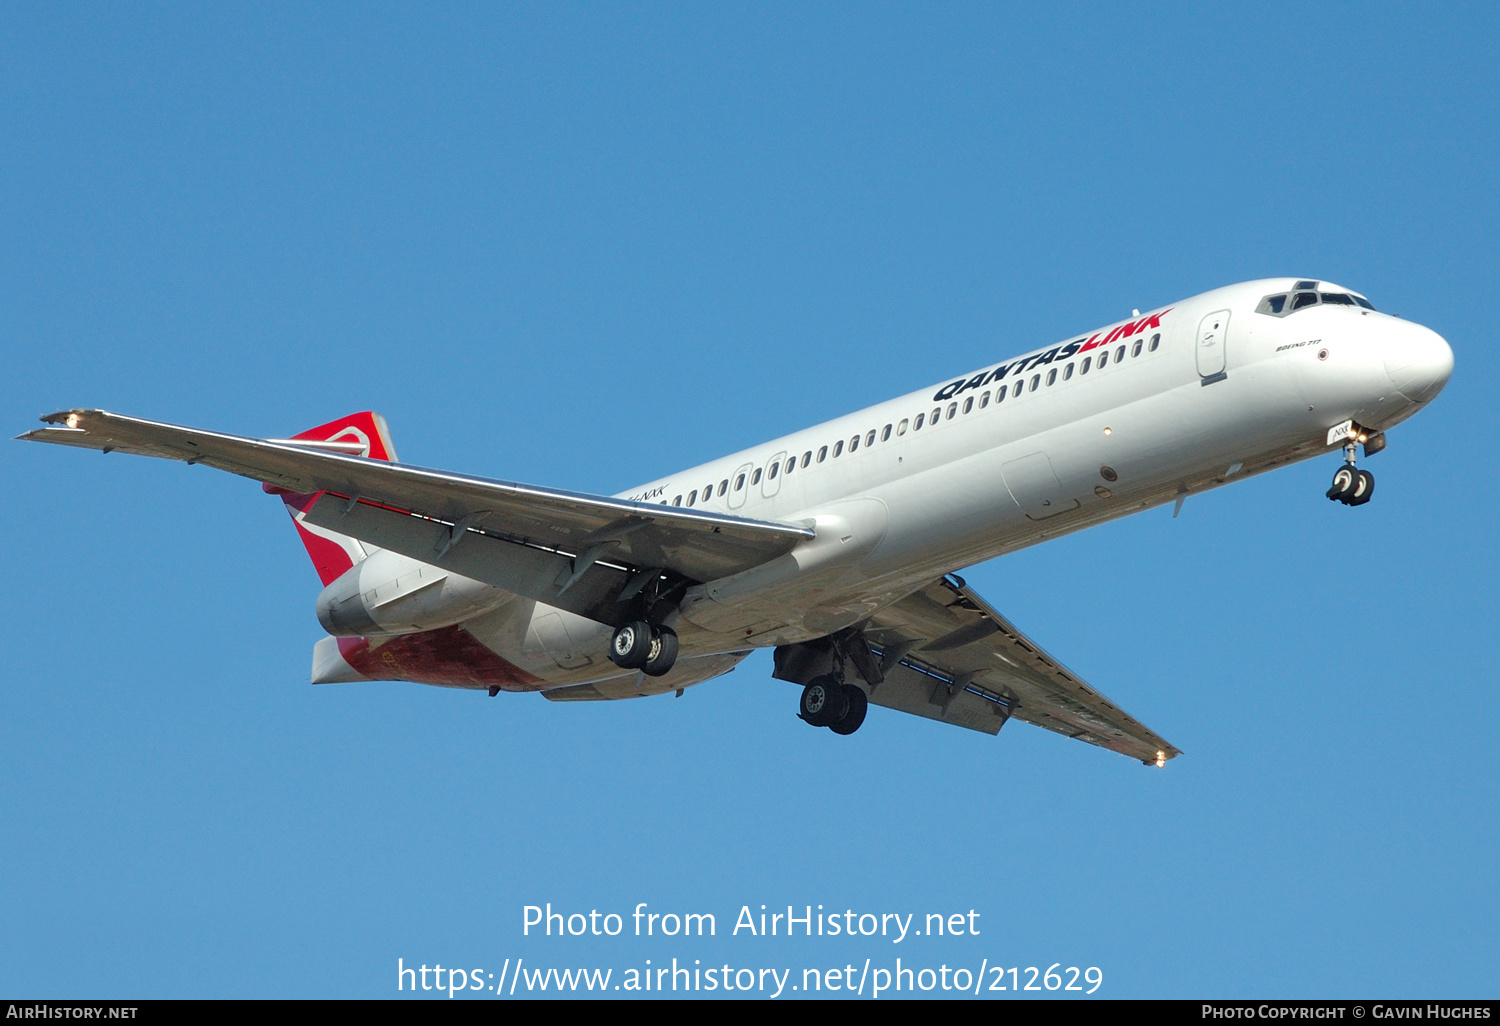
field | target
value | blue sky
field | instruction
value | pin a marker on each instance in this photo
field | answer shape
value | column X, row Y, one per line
column 586, row 245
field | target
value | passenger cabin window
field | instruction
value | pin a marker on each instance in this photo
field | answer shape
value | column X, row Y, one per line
column 937, row 415
column 1000, row 395
column 1067, row 372
column 692, row 496
column 723, row 487
column 917, row 424
column 774, row 468
column 1085, row 368
column 677, row 501
column 952, row 410
column 1155, row 341
column 854, row 443
column 901, row 428
column 755, row 477
column 1052, row 375
column 822, row 453
column 885, row 433
column 791, row 464
column 1020, row 387
column 984, row 400
column 708, row 491
column 870, row 438
column 838, row 449
column 1119, row 354
column 1036, row 379
column 806, row 459
column 739, row 482
column 1135, row 350
column 968, row 404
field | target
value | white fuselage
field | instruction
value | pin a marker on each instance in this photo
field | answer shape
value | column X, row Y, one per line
column 1209, row 403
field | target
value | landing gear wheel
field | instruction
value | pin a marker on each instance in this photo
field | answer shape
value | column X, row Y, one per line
column 824, row 701
column 1345, row 480
column 631, row 645
column 663, row 652
column 1362, row 490
column 859, row 704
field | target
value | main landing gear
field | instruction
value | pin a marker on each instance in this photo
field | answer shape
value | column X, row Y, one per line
column 639, row 646
column 829, row 702
column 1351, row 486
column 829, row 699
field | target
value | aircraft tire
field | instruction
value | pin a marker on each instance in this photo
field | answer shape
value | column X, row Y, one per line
column 663, row 655
column 631, row 645
column 823, row 701
column 859, row 704
column 1345, row 480
column 1366, row 487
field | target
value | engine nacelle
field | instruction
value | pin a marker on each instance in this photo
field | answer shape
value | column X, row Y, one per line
column 393, row 594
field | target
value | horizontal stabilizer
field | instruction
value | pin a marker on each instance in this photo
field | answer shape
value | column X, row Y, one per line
column 329, row 667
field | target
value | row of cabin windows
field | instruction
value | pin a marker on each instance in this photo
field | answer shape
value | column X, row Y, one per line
column 1095, row 361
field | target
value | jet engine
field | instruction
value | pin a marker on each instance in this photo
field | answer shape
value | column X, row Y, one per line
column 393, row 594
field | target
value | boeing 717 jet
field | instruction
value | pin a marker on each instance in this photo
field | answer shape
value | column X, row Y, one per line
column 837, row 546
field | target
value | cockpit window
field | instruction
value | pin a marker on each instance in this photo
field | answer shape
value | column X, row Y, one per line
column 1276, row 306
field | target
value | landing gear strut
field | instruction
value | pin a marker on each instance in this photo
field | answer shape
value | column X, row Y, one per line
column 639, row 646
column 1351, row 486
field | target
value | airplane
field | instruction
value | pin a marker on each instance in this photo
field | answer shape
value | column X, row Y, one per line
column 837, row 546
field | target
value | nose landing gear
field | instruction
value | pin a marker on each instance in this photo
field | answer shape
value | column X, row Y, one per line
column 1351, row 486
column 639, row 646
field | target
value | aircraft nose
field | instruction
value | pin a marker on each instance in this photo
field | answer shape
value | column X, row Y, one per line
column 1419, row 362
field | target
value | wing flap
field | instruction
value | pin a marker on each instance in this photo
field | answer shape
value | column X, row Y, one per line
column 910, row 687
column 972, row 663
column 514, row 565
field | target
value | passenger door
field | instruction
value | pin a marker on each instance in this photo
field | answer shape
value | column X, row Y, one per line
column 739, row 489
column 770, row 484
column 1213, row 338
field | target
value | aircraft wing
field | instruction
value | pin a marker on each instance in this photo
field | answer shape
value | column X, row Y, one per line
column 587, row 553
column 947, row 655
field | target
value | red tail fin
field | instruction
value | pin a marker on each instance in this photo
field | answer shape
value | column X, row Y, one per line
column 332, row 553
column 366, row 428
